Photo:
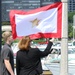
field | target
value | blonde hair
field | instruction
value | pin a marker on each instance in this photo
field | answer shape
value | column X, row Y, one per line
column 5, row 35
column 24, row 43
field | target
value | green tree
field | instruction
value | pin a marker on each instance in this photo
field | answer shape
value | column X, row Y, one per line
column 6, row 23
column 70, row 24
column 70, row 17
column 70, row 31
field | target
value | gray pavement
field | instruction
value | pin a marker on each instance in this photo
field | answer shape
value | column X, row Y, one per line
column 55, row 68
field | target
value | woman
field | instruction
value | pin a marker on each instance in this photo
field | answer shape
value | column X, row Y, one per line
column 28, row 60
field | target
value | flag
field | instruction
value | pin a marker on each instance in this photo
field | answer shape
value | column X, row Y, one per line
column 43, row 22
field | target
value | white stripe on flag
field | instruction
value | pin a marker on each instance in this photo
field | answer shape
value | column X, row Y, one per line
column 47, row 22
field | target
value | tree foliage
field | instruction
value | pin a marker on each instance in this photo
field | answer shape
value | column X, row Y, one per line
column 70, row 17
column 70, row 30
column 5, row 23
column 70, row 24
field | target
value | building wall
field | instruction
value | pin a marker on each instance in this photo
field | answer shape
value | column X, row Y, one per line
column 8, row 5
column 71, row 5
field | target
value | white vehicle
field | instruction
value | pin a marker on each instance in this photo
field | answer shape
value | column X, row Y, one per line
column 71, row 57
column 55, row 56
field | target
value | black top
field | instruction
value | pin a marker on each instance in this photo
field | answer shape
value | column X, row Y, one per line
column 6, row 53
column 29, row 62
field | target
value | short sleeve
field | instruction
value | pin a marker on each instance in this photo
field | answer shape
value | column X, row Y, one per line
column 6, row 54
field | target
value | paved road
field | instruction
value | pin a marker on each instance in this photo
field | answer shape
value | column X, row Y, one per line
column 55, row 68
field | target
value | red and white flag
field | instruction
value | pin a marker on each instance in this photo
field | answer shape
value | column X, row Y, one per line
column 43, row 22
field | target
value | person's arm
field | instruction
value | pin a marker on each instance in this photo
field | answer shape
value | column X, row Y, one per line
column 48, row 49
column 8, row 66
column 6, row 58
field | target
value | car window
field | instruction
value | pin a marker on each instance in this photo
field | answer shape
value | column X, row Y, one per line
column 71, row 51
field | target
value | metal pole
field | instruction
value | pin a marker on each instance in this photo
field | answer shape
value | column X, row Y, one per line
column 73, row 27
column 0, row 27
column 64, row 40
column 0, row 37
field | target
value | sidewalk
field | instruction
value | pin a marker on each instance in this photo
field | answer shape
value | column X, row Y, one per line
column 47, row 72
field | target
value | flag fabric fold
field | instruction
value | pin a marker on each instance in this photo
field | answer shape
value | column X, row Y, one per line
column 43, row 22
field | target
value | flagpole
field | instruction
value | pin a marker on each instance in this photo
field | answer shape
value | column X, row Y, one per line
column 64, row 40
column 0, row 36
column 0, row 26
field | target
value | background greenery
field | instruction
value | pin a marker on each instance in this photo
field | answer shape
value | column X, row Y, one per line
column 70, row 25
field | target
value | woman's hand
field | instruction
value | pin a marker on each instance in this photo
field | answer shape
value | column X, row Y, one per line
column 51, row 40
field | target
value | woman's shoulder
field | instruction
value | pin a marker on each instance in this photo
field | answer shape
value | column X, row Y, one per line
column 34, row 49
column 18, row 51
